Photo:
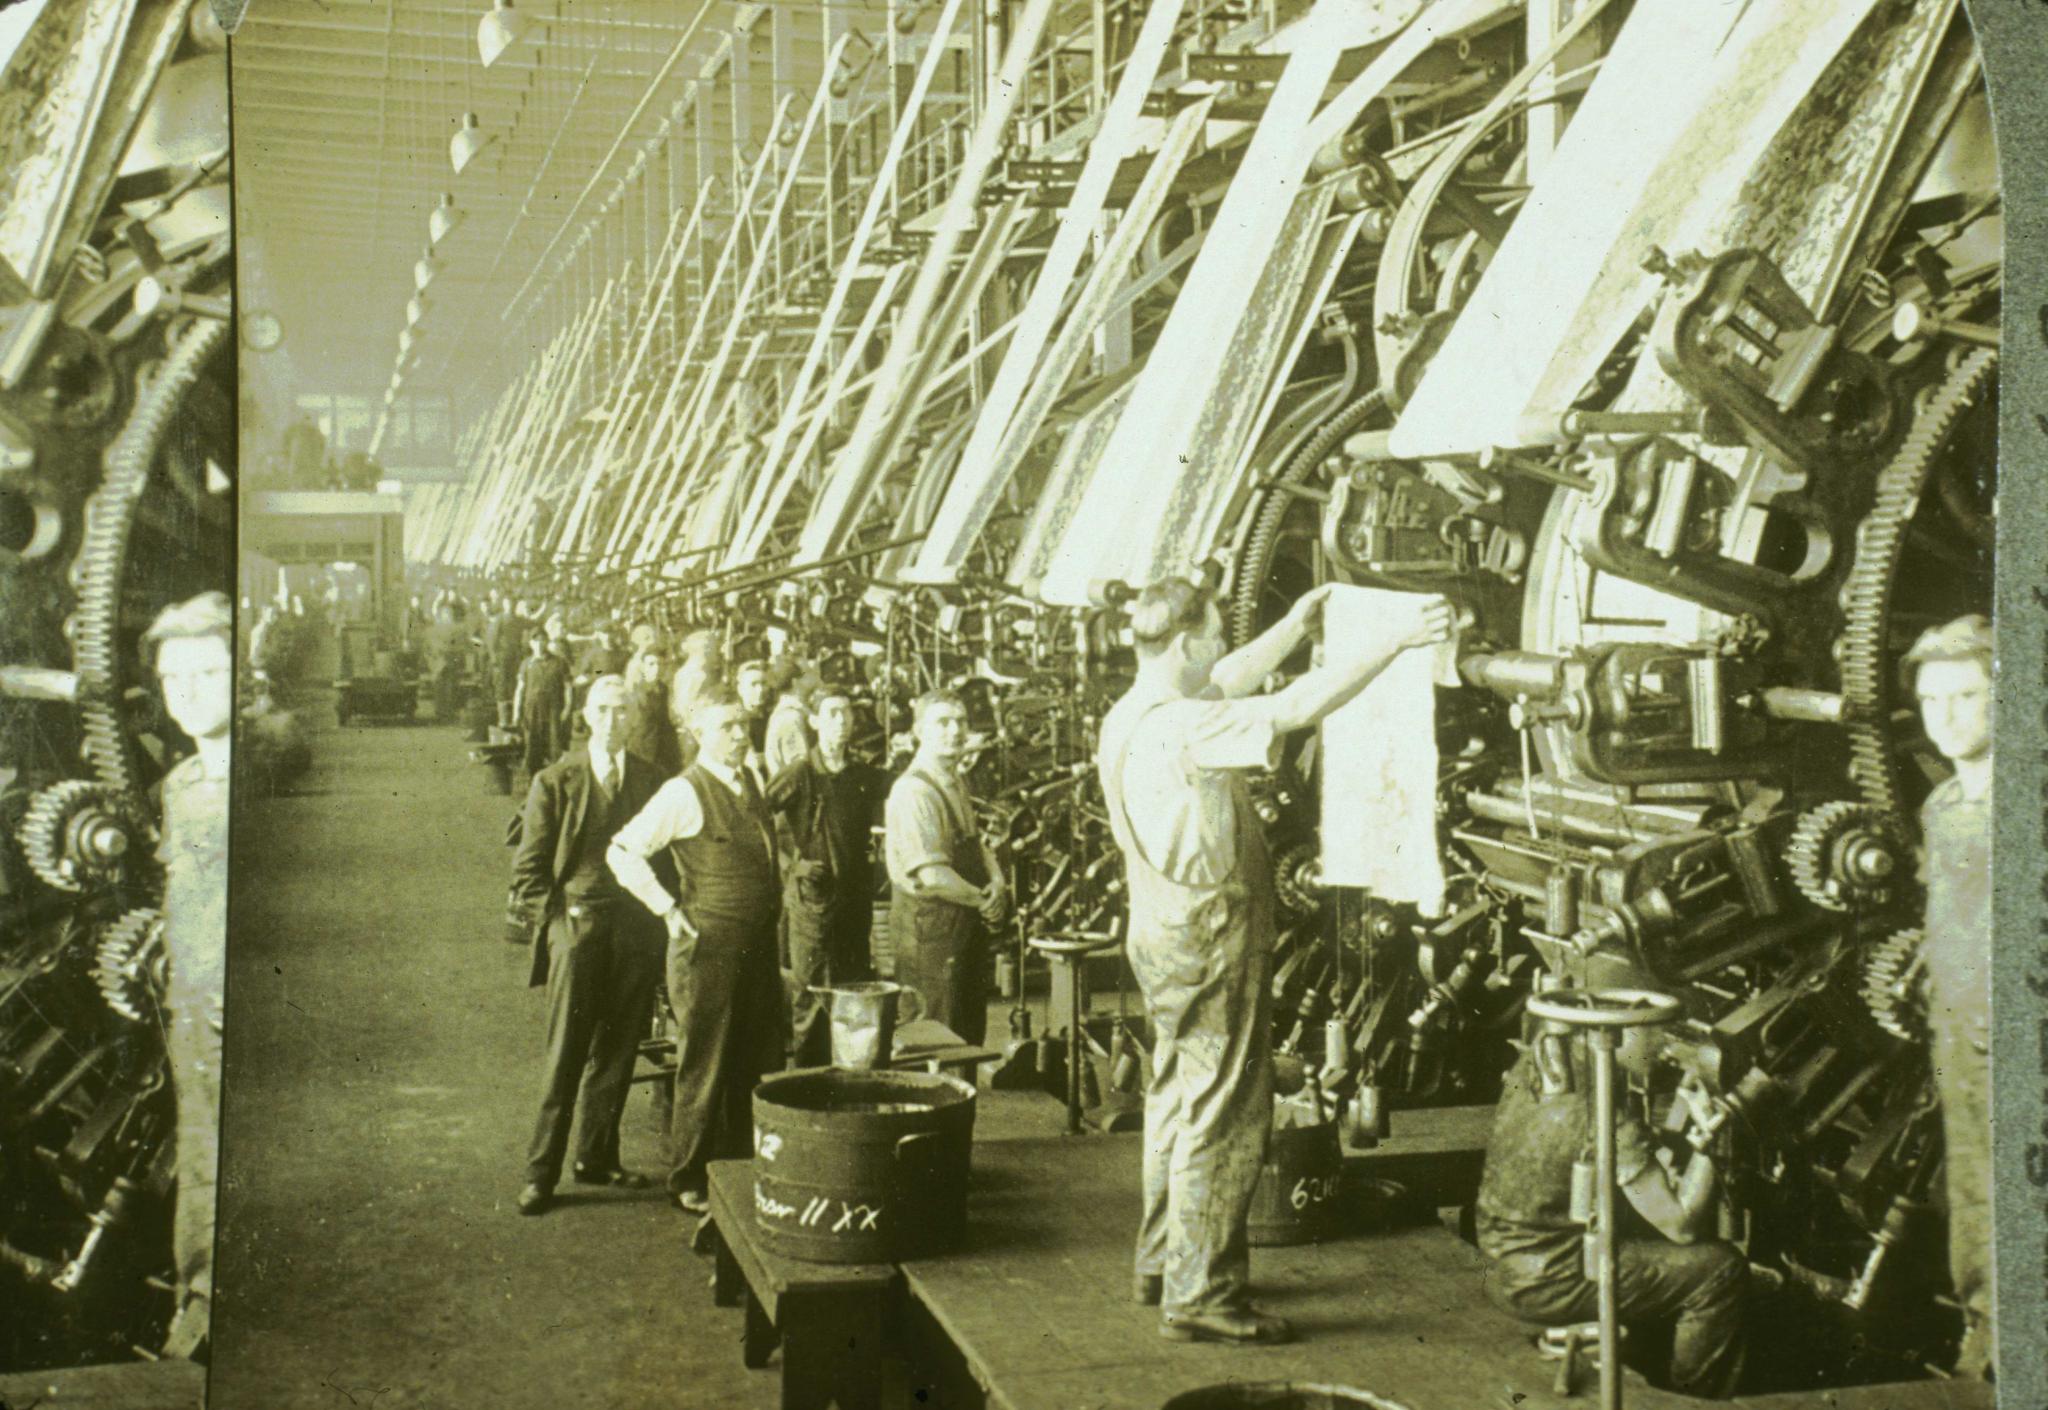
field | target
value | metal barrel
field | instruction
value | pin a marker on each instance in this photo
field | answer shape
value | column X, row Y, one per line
column 861, row 1167
column 1296, row 1200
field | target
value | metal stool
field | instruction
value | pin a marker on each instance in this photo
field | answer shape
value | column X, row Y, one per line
column 1070, row 948
column 1603, row 1013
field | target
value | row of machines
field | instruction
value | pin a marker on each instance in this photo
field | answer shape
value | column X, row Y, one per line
column 1697, row 427
column 117, row 413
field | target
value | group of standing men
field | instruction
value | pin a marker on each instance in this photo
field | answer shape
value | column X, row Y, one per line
column 713, row 837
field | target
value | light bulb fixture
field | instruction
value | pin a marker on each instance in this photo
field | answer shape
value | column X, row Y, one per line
column 405, row 341
column 441, row 224
column 415, row 310
column 423, row 273
column 498, row 31
column 469, row 139
column 390, row 394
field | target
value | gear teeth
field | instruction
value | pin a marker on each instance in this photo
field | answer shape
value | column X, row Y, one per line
column 46, row 826
column 97, row 571
column 1810, row 854
column 129, row 967
column 1862, row 650
column 1887, row 987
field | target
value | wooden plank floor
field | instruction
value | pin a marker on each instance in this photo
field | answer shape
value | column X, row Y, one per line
column 136, row 1385
column 1038, row 1306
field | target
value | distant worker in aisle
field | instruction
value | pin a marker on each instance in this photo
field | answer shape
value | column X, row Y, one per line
column 752, row 681
column 1952, row 679
column 1173, row 756
column 195, row 661
column 598, row 954
column 723, row 981
column 829, row 803
column 700, row 671
column 543, row 703
column 650, row 732
column 788, row 736
column 947, row 887
column 1674, row 1269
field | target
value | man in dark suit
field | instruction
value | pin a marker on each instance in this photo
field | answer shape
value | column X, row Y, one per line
column 599, row 953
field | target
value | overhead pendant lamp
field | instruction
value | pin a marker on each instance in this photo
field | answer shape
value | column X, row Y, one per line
column 423, row 273
column 469, row 139
column 441, row 224
column 405, row 341
column 391, row 394
column 498, row 31
column 415, row 310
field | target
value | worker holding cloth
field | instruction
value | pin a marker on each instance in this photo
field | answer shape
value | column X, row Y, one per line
column 1952, row 678
column 723, row 981
column 1172, row 758
column 947, row 887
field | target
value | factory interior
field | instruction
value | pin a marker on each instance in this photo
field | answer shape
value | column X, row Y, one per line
column 989, row 632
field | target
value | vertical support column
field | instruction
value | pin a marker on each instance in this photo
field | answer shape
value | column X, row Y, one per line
column 1546, row 121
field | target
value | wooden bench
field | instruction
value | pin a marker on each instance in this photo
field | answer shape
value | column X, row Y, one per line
column 927, row 1045
column 829, row 1318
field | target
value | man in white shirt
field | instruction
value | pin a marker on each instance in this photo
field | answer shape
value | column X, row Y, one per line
column 1172, row 758
column 723, row 979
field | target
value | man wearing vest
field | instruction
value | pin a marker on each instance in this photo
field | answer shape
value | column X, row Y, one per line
column 723, row 980
column 598, row 955
column 946, row 887
column 1172, row 757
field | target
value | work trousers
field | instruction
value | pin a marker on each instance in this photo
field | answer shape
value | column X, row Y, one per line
column 942, row 952
column 730, row 1024
column 603, row 963
column 194, row 1049
column 1209, row 1109
column 1963, row 1077
column 1701, row 1284
column 828, row 944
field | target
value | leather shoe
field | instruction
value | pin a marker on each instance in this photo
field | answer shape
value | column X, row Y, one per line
column 535, row 1199
column 1234, row 1326
column 693, row 1201
column 1146, row 1288
column 622, row 1179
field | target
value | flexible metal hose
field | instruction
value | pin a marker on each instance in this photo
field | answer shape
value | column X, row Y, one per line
column 1272, row 510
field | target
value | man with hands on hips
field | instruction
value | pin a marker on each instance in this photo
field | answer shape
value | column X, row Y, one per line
column 723, row 978
column 1173, row 757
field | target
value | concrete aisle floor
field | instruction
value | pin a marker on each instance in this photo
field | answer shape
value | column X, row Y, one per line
column 381, row 1059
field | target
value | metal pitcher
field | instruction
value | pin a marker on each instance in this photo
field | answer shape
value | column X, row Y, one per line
column 864, row 1019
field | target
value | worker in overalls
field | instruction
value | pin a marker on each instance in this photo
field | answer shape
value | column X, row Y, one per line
column 195, row 660
column 947, row 888
column 1172, row 758
column 1952, row 678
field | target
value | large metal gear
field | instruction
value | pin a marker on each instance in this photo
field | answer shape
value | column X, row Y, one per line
column 1295, row 882
column 97, row 573
column 1863, row 649
column 78, row 832
column 130, row 967
column 1890, row 984
column 1848, row 856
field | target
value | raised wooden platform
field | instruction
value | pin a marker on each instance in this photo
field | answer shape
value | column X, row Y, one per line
column 1037, row 1306
column 827, row 1318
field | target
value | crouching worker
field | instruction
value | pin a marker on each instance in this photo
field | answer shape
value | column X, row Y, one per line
column 1543, row 1126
